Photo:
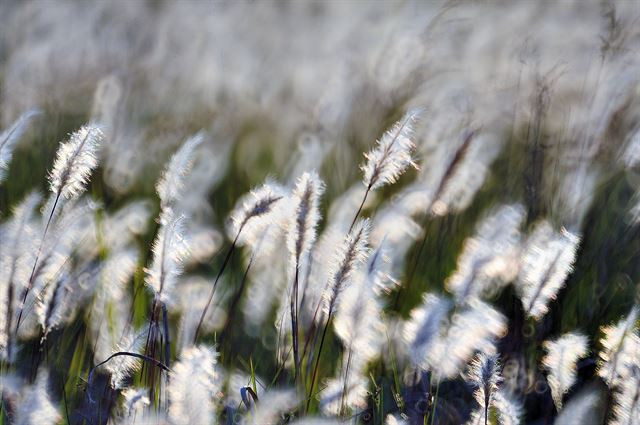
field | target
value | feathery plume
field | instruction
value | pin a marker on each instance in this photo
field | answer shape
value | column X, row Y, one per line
column 169, row 251
column 626, row 409
column 560, row 361
column 253, row 211
column 301, row 230
column 351, row 254
column 36, row 406
column 110, row 301
column 462, row 173
column 46, row 270
column 392, row 155
column 484, row 375
column 10, row 137
column 135, row 401
column 390, row 158
column 192, row 298
column 345, row 391
column 194, row 384
column 378, row 270
column 75, row 161
column 586, row 406
column 171, row 183
column 509, row 410
column 620, row 348
column 358, row 321
column 120, row 368
column 301, row 235
column 264, row 205
column 423, row 328
column 17, row 238
column 547, row 261
column 472, row 329
column 54, row 300
column 490, row 258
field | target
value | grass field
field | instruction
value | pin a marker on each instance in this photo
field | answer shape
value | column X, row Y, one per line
column 319, row 212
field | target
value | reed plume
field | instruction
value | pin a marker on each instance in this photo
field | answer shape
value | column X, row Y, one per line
column 490, row 258
column 390, row 158
column 36, row 406
column 169, row 251
column 349, row 256
column 75, row 160
column 256, row 210
column 194, row 387
column 547, row 261
column 484, row 375
column 301, row 235
column 560, row 361
column 16, row 235
column 171, row 185
column 620, row 347
column 10, row 137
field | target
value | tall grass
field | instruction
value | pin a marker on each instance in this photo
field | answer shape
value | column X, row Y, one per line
column 478, row 266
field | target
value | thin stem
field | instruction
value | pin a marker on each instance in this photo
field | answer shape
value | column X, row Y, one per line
column 151, row 360
column 294, row 324
column 165, row 325
column 435, row 404
column 364, row 199
column 236, row 299
column 346, row 382
column 215, row 283
column 315, row 368
column 35, row 264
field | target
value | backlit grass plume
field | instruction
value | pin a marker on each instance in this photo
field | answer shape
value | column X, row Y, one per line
column 490, row 258
column 349, row 257
column 36, row 406
column 422, row 330
column 473, row 329
column 249, row 221
column 390, row 158
column 392, row 155
column 547, row 261
column 251, row 215
column 620, row 347
column 10, row 137
column 194, row 387
column 169, row 251
column 301, row 235
column 626, row 410
column 484, row 375
column 17, row 235
column 301, row 230
column 560, row 361
column 170, row 186
column 121, row 368
column 75, row 161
